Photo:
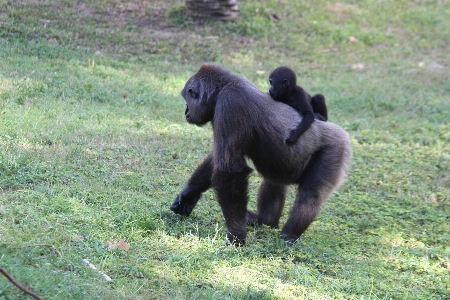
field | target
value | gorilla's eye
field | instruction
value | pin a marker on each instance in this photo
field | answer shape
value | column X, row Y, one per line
column 194, row 94
column 270, row 81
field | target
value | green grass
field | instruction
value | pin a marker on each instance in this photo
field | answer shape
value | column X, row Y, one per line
column 94, row 148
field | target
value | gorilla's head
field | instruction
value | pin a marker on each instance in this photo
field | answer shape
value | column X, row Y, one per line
column 282, row 80
column 200, row 93
column 198, row 109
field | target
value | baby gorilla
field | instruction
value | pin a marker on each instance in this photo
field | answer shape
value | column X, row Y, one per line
column 284, row 88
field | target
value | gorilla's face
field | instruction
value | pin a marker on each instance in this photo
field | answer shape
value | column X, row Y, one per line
column 278, row 87
column 199, row 106
column 189, row 95
column 282, row 81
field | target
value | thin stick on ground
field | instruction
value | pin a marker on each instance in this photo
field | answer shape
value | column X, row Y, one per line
column 21, row 287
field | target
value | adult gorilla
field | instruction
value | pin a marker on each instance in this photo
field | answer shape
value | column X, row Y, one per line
column 247, row 123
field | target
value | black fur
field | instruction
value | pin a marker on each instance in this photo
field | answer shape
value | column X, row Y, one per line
column 247, row 123
column 284, row 88
column 319, row 107
column 201, row 181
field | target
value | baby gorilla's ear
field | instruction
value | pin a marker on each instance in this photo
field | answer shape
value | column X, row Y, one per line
column 285, row 83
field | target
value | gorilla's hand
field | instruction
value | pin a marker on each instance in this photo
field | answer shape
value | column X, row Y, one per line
column 185, row 202
column 293, row 137
column 290, row 141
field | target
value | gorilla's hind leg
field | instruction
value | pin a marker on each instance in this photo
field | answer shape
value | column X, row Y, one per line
column 322, row 175
column 271, row 198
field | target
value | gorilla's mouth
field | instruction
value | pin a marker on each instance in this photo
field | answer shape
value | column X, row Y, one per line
column 271, row 93
column 186, row 113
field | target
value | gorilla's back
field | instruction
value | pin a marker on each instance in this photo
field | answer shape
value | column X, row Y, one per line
column 273, row 157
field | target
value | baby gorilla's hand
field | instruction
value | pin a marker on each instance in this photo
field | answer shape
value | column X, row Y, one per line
column 292, row 139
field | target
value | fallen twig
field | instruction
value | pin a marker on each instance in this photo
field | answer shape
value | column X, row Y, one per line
column 21, row 287
column 107, row 278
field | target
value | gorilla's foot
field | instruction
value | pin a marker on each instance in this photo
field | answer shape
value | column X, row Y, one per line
column 289, row 239
column 251, row 218
column 235, row 241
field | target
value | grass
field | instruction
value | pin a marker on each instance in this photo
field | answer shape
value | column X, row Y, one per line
column 94, row 148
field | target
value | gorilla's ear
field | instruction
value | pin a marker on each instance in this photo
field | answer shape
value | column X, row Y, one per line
column 285, row 83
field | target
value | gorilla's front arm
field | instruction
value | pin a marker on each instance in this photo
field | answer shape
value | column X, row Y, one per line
column 232, row 201
column 231, row 189
column 225, row 170
column 199, row 182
